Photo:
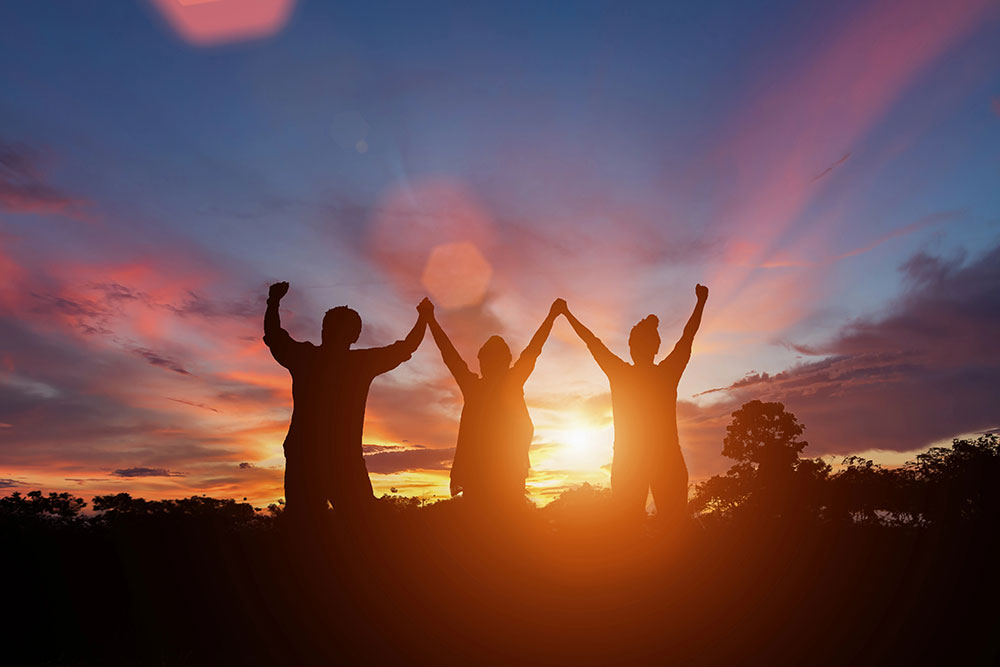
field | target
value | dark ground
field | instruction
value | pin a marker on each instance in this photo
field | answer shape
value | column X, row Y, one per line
column 440, row 586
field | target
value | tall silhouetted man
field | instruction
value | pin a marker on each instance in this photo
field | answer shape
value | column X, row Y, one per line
column 323, row 455
column 644, row 403
column 494, row 434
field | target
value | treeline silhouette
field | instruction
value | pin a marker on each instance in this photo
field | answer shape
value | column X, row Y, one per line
column 783, row 561
column 944, row 485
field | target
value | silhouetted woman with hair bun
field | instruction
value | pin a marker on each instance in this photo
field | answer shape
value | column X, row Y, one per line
column 644, row 402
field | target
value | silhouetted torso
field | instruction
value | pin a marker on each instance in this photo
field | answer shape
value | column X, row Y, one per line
column 329, row 388
column 494, row 435
column 644, row 403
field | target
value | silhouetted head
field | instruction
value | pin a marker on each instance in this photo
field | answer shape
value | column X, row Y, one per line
column 644, row 341
column 341, row 327
column 494, row 357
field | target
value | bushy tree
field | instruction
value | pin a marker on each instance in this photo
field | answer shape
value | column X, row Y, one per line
column 769, row 478
column 764, row 434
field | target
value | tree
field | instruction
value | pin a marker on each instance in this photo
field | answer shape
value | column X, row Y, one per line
column 769, row 478
column 764, row 434
column 958, row 483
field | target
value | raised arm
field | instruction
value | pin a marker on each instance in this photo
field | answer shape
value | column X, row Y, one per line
column 682, row 350
column 604, row 357
column 283, row 347
column 272, row 321
column 452, row 359
column 526, row 362
column 384, row 359
column 416, row 335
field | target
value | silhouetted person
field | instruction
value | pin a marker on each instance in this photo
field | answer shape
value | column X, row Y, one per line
column 647, row 452
column 323, row 455
column 495, row 431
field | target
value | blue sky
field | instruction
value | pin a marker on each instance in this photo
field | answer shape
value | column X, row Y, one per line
column 794, row 157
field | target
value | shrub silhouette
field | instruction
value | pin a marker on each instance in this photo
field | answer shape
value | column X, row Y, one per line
column 35, row 507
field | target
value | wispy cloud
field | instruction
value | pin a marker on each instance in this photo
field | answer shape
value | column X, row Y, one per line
column 146, row 472
column 833, row 166
column 24, row 189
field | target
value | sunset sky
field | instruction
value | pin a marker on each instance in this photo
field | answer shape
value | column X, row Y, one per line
column 831, row 172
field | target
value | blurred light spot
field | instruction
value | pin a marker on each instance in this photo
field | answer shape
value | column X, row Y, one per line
column 208, row 22
column 361, row 146
column 411, row 220
column 457, row 275
column 349, row 129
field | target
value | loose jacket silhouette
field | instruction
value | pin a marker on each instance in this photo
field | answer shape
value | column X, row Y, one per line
column 330, row 382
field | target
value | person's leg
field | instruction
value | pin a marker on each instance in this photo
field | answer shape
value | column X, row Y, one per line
column 305, row 499
column 295, row 493
column 629, row 484
column 669, row 484
column 350, row 488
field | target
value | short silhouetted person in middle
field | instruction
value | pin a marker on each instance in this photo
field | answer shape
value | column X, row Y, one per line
column 647, row 453
column 494, row 434
column 324, row 461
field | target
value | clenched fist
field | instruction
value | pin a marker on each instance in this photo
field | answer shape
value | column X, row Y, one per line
column 277, row 291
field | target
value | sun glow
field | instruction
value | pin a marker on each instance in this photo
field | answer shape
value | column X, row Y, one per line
column 579, row 446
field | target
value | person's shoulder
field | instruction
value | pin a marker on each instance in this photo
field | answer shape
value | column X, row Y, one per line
column 672, row 365
column 620, row 367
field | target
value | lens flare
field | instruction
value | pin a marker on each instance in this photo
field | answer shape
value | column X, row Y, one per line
column 209, row 22
column 457, row 275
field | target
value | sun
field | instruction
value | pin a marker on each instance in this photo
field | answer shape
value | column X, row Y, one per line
column 579, row 441
column 577, row 446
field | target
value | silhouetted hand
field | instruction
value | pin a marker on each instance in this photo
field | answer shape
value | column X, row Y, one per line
column 426, row 309
column 277, row 291
column 559, row 307
column 701, row 292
